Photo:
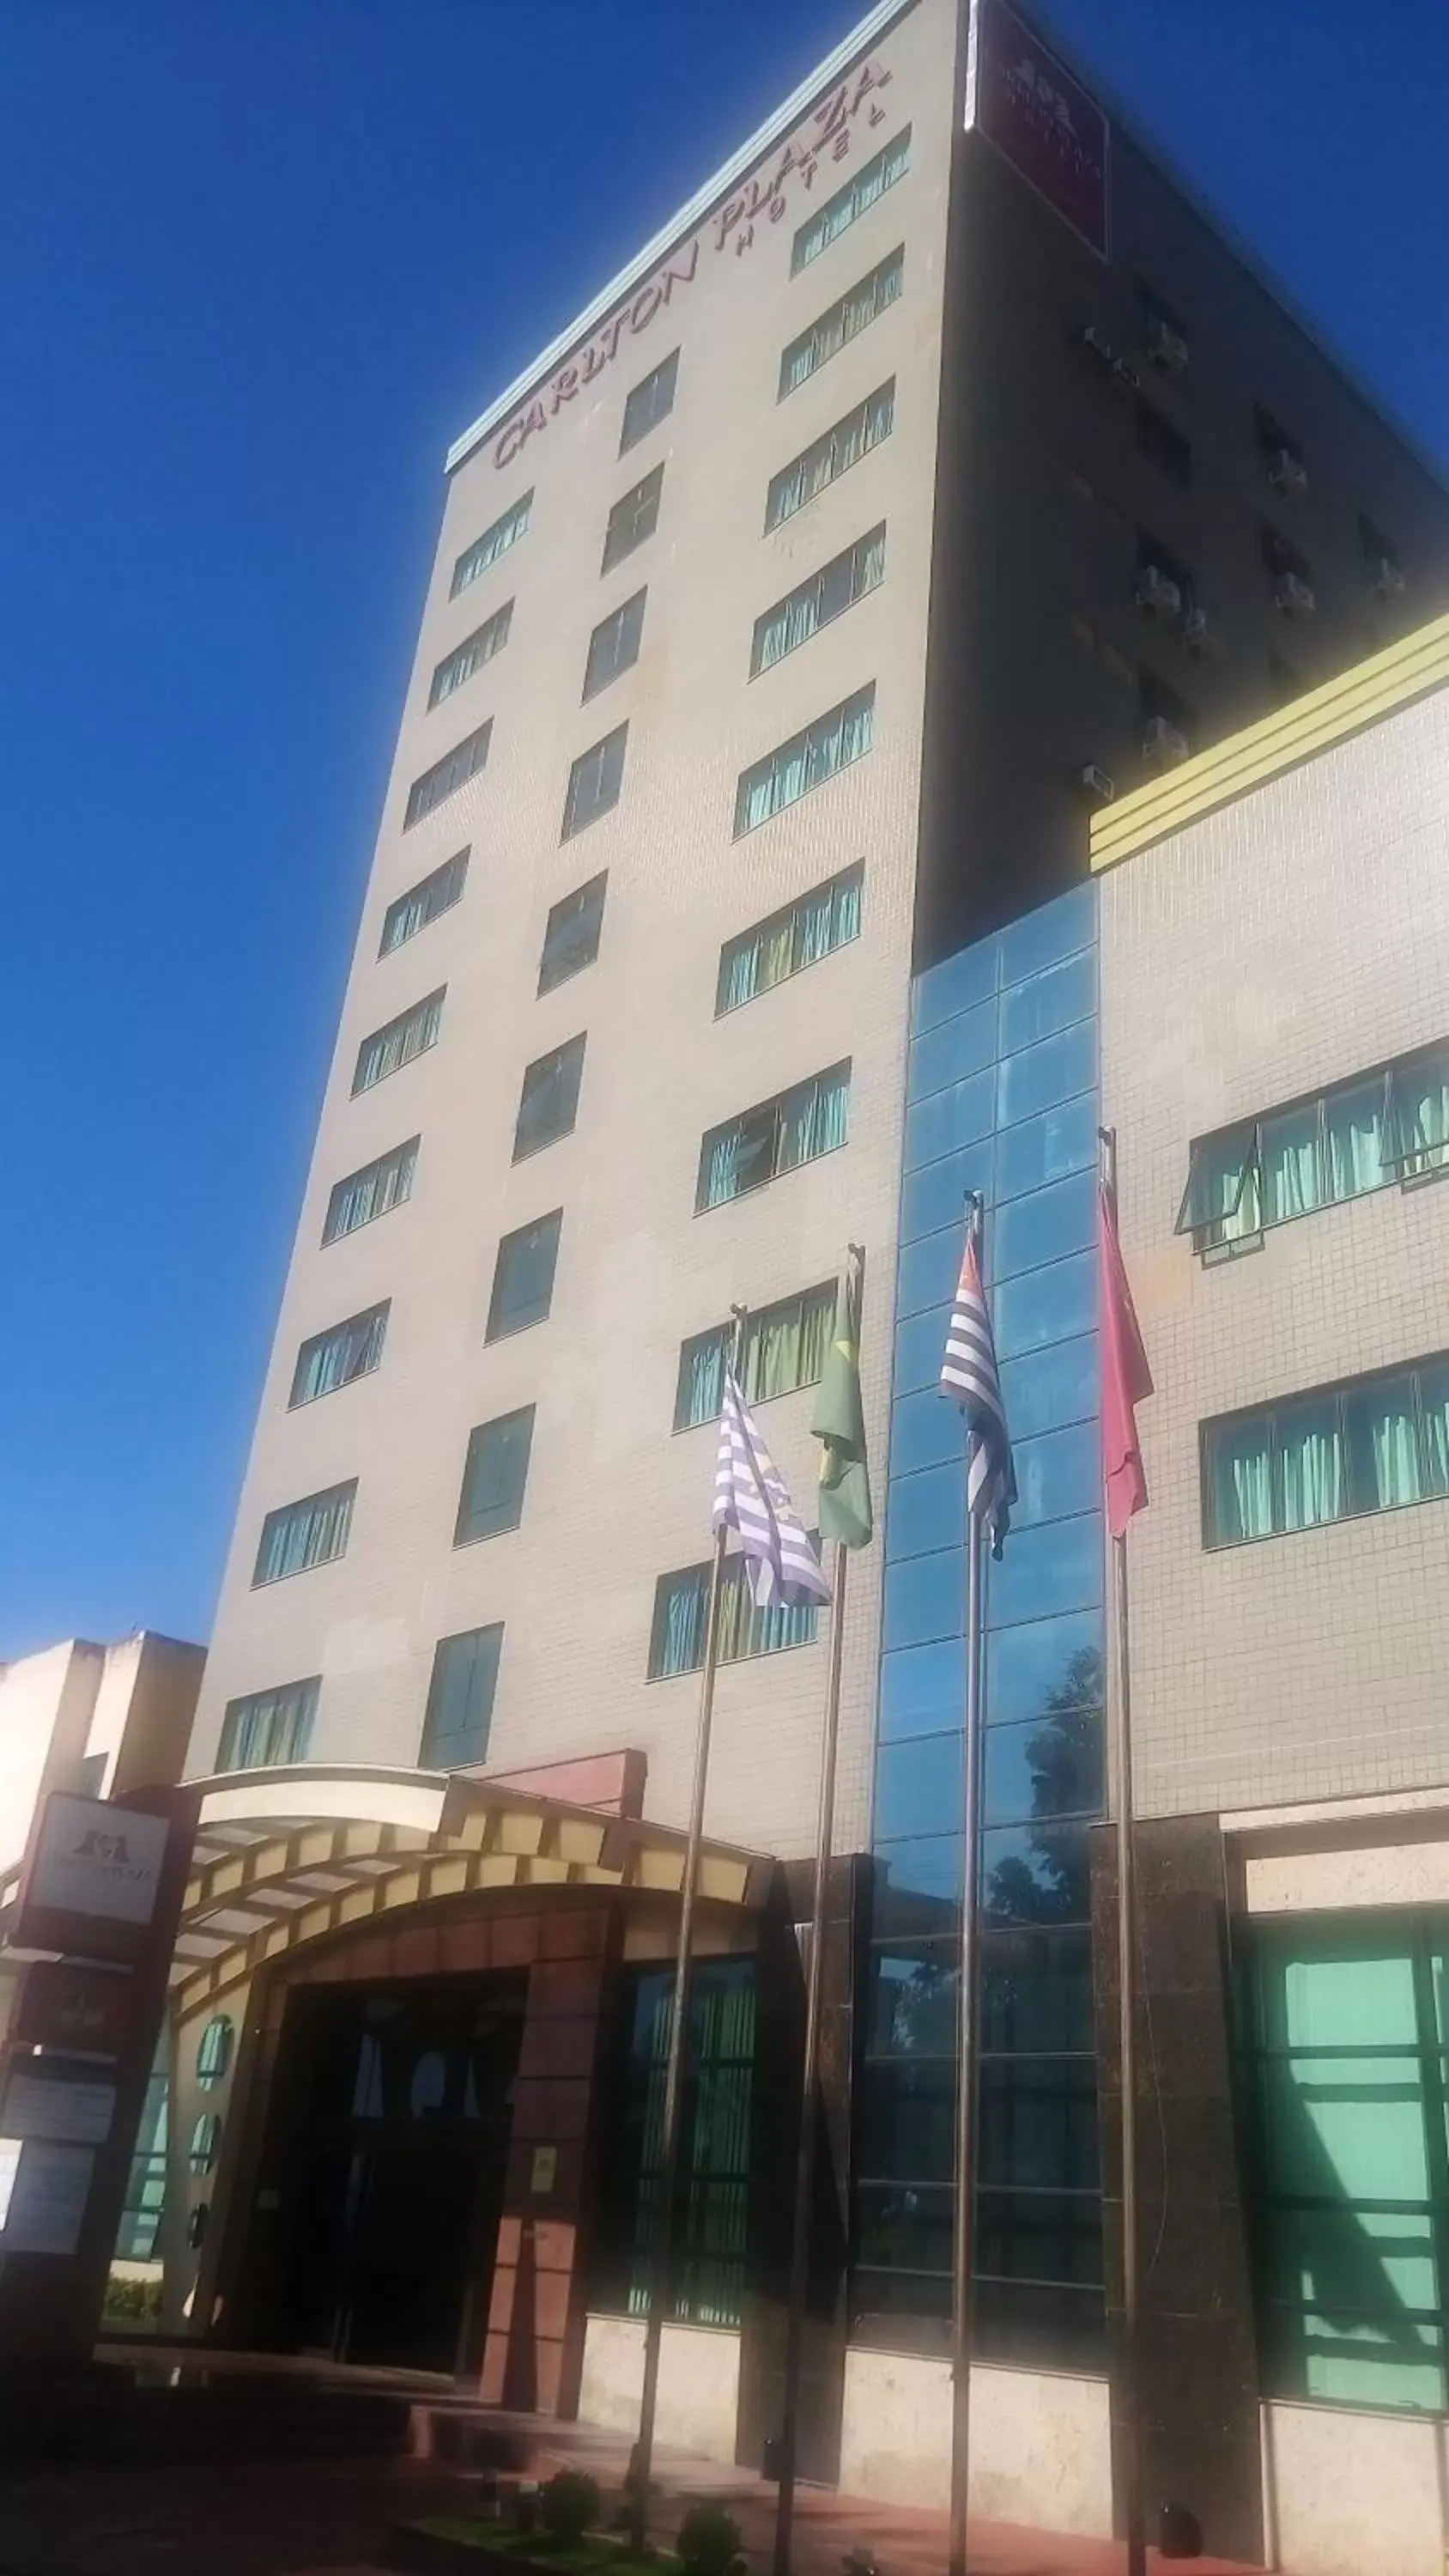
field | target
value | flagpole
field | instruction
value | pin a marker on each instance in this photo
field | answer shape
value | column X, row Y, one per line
column 966, row 2032
column 641, row 2461
column 805, row 2156
column 1133, row 2515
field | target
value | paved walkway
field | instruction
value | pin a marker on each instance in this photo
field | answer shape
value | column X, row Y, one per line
column 328, row 2516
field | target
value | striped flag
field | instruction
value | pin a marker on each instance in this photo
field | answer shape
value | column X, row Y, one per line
column 750, row 1496
column 970, row 1375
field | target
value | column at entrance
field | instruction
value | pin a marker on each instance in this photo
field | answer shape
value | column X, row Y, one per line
column 533, row 2355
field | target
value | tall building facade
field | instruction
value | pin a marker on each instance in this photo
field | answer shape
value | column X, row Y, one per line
column 938, row 473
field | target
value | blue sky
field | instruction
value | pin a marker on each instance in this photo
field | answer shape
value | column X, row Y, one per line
column 264, row 259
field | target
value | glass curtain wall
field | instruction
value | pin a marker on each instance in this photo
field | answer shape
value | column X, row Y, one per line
column 1002, row 1098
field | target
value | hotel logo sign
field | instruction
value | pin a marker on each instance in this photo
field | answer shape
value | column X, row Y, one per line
column 100, row 1861
column 827, row 136
column 1044, row 122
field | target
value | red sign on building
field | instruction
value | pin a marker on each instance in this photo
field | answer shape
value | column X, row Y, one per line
column 1044, row 121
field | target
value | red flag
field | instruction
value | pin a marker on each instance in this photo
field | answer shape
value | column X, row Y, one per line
column 1126, row 1378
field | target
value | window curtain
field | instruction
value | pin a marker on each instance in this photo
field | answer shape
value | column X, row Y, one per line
column 772, row 1353
column 682, row 1618
column 869, row 565
column 703, row 1391
column 1434, row 1398
column 815, row 926
column 270, row 1727
column 1288, row 1165
column 312, row 1534
column 1350, row 2278
column 776, row 954
column 1421, row 1107
column 1357, row 1145
column 1383, row 1446
column 1227, row 1199
column 1240, row 1483
column 814, row 1120
column 1311, row 1466
column 719, row 1173
column 741, row 975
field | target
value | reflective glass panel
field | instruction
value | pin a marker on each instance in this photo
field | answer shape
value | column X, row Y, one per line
column 1051, row 1766
column 956, row 984
column 1052, row 1000
column 1054, row 931
column 935, row 1197
column 1035, row 1874
column 918, row 1786
column 928, row 1511
column 1051, row 1386
column 1046, row 1570
column 1058, row 1473
column 1044, row 1225
column 923, row 1598
column 1042, row 1075
column 1047, row 1148
column 1038, row 2123
column 956, row 1116
column 942, row 1055
column 913, row 2000
column 922, row 1688
column 928, row 1271
column 1036, row 1990
column 907, row 2121
column 925, row 1430
column 1044, row 1665
column 1046, row 1305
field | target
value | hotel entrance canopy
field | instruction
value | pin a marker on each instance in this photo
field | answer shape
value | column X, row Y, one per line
column 287, row 1856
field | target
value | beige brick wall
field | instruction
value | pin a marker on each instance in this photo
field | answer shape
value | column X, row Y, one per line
column 1292, row 940
column 613, row 1498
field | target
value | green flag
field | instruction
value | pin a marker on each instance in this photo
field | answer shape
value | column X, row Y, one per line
column 844, row 1505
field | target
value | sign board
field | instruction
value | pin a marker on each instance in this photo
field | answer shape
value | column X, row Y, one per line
column 61, row 2003
column 43, row 2192
column 1047, row 125
column 51, row 2097
column 91, row 1879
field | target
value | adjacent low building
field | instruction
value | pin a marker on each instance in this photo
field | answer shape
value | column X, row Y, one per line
column 1274, row 940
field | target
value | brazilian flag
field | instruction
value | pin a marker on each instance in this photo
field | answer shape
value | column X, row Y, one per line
column 844, row 1512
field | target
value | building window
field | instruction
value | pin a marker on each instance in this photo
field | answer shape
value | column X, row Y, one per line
column 494, row 1477
column 301, row 1535
column 214, row 2052
column 850, row 202
column 1289, row 572
column 1349, row 2205
column 795, row 1127
column 339, row 1356
column 423, row 902
column 1369, row 1445
column 614, row 645
column 549, row 1102
column 827, row 458
column 390, row 1048
column 836, row 587
column 1380, row 558
column 1166, row 446
column 267, row 1727
column 681, row 1612
column 447, row 775
column 785, row 1346
column 805, row 761
column 1164, row 334
column 710, row 2255
column 571, row 935
column 1169, row 721
column 828, row 335
column 471, row 654
column 145, row 2201
column 633, row 519
column 1281, row 454
column 1165, row 586
column 594, row 782
column 523, row 1277
column 649, row 402
column 371, row 1192
column 826, row 918
column 460, row 1699
column 495, row 541
column 1356, row 1136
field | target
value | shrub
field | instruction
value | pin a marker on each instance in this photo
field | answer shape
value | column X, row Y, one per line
column 569, row 2504
column 709, row 2541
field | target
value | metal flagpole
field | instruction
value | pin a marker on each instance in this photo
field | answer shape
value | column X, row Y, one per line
column 1131, row 2436
column 805, row 2159
column 642, row 2457
column 966, row 2033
